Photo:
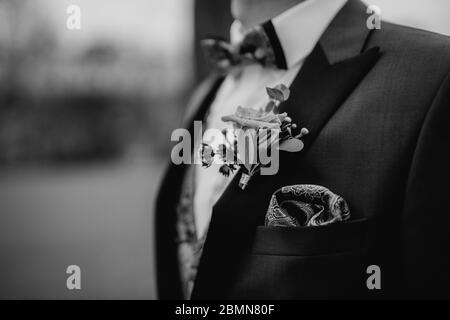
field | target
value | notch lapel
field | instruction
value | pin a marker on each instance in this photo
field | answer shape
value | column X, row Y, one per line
column 321, row 88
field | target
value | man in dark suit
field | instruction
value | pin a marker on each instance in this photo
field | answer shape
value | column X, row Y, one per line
column 376, row 103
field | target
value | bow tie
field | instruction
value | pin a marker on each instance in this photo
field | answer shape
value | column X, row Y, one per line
column 255, row 48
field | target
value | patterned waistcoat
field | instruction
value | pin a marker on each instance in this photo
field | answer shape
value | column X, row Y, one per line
column 189, row 246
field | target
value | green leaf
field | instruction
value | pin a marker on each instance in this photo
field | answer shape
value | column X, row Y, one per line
column 279, row 93
column 275, row 94
column 284, row 90
column 292, row 145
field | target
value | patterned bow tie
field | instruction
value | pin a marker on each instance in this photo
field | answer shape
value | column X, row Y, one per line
column 255, row 47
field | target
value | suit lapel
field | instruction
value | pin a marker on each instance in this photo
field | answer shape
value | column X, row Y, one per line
column 325, row 81
column 321, row 88
column 201, row 100
column 333, row 70
column 169, row 286
column 196, row 111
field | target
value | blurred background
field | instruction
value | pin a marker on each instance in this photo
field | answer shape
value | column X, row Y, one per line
column 85, row 123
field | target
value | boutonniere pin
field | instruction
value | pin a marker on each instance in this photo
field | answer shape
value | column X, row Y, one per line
column 256, row 138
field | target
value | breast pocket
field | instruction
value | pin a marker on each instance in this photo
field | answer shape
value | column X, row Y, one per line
column 326, row 262
column 310, row 241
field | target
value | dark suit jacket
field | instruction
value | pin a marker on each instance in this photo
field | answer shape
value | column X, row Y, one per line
column 377, row 105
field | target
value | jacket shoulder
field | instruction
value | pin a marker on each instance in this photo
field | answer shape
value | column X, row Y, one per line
column 423, row 46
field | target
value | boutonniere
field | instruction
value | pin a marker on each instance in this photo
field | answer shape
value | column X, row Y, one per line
column 256, row 139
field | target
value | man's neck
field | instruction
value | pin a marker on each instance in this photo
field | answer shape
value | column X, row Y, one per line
column 254, row 12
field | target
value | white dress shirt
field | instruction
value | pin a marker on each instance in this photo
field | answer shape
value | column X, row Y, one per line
column 298, row 29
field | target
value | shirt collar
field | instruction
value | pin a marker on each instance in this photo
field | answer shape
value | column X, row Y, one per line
column 299, row 28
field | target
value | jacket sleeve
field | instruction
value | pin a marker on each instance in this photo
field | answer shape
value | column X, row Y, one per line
column 426, row 215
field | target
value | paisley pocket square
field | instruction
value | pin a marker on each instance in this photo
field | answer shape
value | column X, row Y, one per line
column 305, row 206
